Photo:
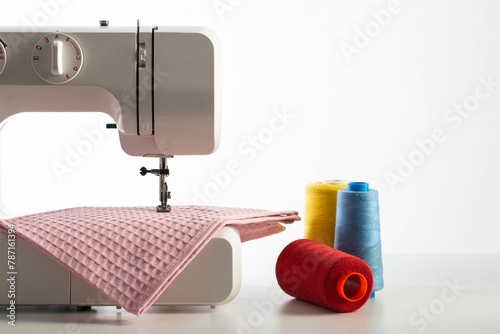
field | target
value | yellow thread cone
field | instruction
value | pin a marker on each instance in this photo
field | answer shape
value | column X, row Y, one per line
column 320, row 210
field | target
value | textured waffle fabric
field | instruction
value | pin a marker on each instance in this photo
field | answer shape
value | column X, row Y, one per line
column 132, row 254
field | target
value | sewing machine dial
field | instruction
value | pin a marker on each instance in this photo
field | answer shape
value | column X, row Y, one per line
column 57, row 58
column 3, row 57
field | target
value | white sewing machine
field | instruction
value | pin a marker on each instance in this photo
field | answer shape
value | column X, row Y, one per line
column 112, row 70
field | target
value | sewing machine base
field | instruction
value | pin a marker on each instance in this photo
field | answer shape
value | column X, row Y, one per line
column 212, row 278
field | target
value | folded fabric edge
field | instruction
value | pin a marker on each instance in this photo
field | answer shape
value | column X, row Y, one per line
column 145, row 303
column 257, row 232
column 261, row 228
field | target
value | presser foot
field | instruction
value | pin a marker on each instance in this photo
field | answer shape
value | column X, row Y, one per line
column 160, row 208
column 162, row 172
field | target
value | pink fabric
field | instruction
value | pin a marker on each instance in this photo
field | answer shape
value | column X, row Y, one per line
column 132, row 254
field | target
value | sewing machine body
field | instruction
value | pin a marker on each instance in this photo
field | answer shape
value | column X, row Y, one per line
column 212, row 278
column 161, row 85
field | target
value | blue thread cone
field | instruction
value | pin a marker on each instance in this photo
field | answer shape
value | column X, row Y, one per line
column 357, row 230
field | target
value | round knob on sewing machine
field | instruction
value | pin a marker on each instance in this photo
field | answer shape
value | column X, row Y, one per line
column 57, row 58
column 163, row 171
column 3, row 56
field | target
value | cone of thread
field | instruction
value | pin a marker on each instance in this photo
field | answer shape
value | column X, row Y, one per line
column 312, row 272
column 358, row 227
column 320, row 211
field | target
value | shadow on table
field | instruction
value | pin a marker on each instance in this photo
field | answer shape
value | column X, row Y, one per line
column 299, row 307
column 66, row 314
column 97, row 314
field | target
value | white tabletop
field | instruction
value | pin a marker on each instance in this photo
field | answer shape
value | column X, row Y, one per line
column 423, row 294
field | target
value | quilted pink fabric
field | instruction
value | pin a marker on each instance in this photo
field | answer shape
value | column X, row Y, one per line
column 132, row 254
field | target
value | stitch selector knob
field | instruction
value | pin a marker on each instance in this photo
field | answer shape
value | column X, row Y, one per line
column 57, row 58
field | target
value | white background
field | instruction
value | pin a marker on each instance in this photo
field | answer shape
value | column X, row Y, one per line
column 352, row 117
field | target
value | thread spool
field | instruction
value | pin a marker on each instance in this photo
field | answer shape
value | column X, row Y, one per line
column 357, row 230
column 320, row 210
column 319, row 274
